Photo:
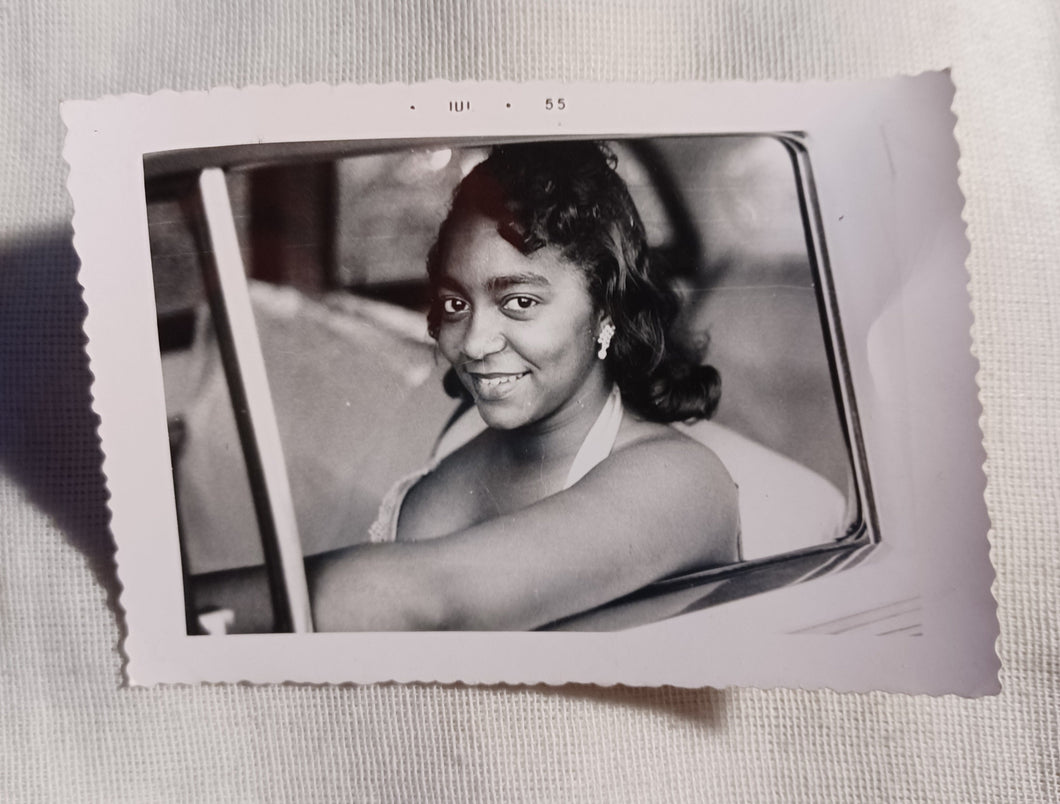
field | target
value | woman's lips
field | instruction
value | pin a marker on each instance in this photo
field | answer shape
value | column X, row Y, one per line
column 493, row 386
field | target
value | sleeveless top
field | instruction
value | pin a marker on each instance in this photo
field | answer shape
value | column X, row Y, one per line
column 598, row 443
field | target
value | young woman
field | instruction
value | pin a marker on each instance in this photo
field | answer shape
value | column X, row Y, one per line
column 560, row 333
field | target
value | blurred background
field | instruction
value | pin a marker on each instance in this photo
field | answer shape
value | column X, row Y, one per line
column 334, row 249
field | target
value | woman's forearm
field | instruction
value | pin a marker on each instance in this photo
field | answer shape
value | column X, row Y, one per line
column 244, row 592
column 364, row 588
column 373, row 588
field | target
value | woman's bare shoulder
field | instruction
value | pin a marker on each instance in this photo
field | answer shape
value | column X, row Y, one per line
column 669, row 450
column 431, row 508
column 664, row 495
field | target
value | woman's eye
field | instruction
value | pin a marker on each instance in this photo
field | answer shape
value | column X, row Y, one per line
column 453, row 306
column 520, row 304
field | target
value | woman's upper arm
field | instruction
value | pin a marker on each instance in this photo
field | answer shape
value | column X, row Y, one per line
column 648, row 511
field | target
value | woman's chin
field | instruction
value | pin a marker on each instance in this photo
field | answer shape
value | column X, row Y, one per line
column 499, row 416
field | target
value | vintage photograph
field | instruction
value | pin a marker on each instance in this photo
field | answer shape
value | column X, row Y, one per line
column 493, row 387
column 568, row 384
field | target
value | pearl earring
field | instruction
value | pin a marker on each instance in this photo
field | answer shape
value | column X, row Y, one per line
column 607, row 332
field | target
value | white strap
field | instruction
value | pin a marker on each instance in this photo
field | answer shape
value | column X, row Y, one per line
column 599, row 441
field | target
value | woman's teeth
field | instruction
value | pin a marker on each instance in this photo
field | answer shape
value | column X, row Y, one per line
column 496, row 382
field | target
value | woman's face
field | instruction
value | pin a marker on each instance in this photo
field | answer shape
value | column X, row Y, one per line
column 519, row 330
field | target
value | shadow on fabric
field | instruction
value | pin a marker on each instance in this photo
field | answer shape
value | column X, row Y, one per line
column 48, row 440
column 705, row 706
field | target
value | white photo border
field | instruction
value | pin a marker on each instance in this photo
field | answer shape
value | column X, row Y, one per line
column 884, row 160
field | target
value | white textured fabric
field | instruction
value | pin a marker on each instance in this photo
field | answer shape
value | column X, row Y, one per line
column 69, row 732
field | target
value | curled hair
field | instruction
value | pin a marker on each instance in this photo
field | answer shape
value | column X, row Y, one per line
column 568, row 195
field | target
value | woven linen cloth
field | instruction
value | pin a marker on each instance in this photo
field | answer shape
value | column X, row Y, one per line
column 69, row 731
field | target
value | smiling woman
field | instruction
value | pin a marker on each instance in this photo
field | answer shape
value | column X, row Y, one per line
column 560, row 333
column 517, row 329
column 575, row 481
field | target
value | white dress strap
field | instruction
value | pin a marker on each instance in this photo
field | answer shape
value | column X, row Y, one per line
column 600, row 439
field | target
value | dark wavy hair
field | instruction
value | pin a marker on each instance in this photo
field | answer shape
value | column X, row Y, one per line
column 568, row 195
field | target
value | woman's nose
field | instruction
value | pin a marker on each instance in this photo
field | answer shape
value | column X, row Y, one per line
column 484, row 336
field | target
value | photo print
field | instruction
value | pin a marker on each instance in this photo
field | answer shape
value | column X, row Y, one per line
column 492, row 388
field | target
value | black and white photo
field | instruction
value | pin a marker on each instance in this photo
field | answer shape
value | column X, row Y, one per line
column 493, row 365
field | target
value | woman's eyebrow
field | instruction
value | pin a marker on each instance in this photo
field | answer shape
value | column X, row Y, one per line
column 506, row 281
